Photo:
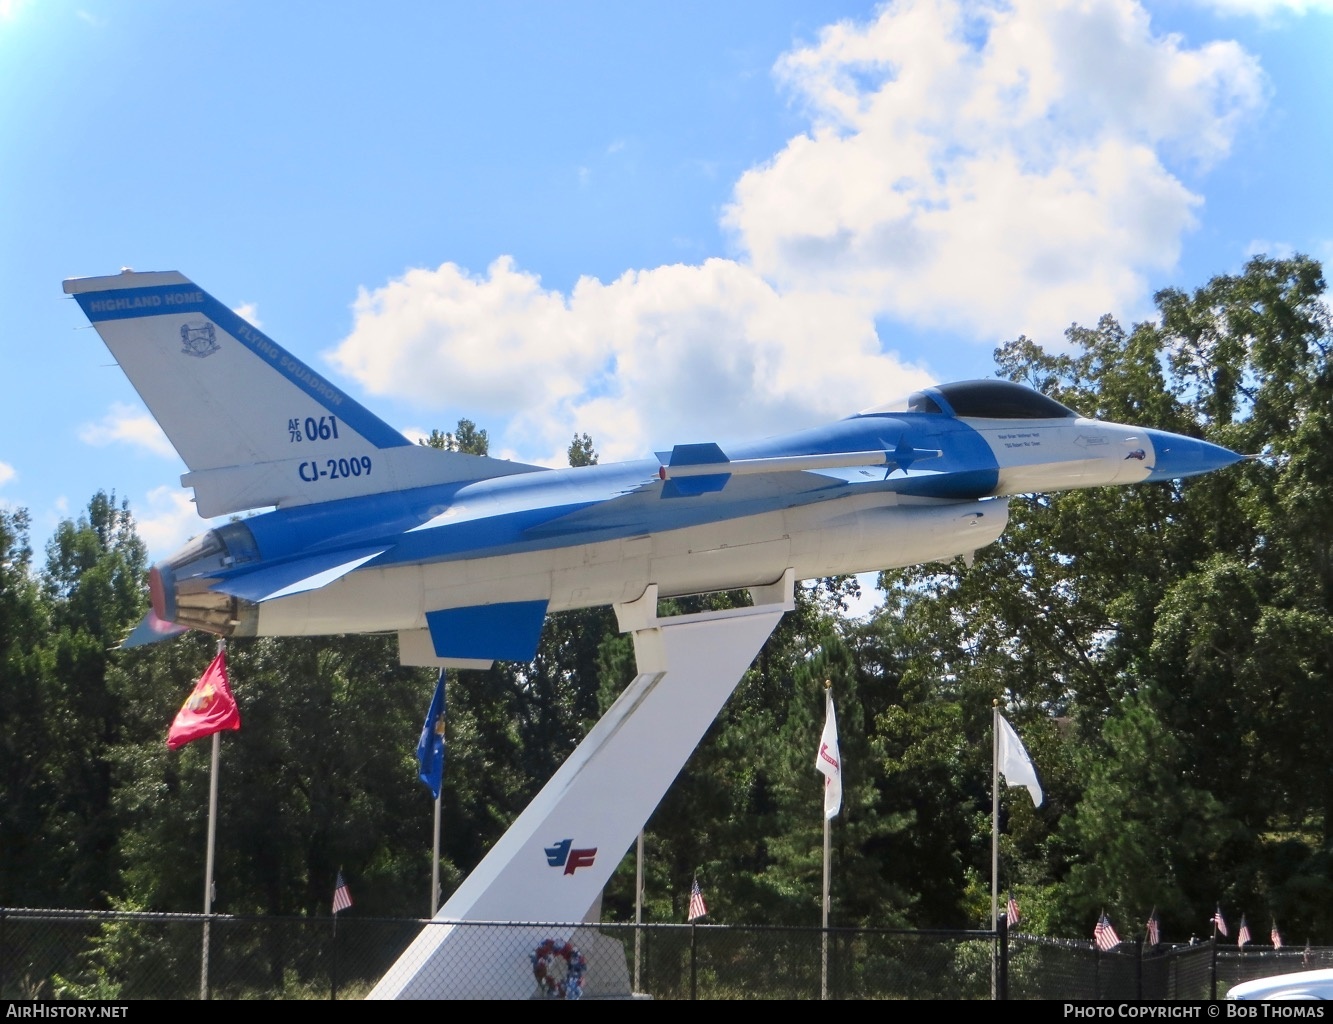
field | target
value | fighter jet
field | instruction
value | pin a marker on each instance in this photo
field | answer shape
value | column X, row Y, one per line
column 342, row 525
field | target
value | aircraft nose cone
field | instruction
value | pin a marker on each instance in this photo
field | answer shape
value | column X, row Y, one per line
column 1178, row 456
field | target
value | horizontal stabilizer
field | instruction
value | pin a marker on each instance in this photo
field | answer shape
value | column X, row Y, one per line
column 150, row 630
column 296, row 481
column 270, row 582
column 488, row 632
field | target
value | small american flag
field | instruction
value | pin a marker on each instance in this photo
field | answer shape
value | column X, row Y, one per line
column 1243, row 936
column 1104, row 935
column 342, row 896
column 697, row 906
column 1011, row 911
column 1154, row 928
column 1219, row 922
column 1275, row 936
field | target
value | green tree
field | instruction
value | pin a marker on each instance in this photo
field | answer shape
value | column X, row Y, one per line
column 1185, row 621
column 581, row 451
column 1148, row 838
column 1163, row 649
column 62, row 719
column 464, row 438
column 28, row 788
column 1247, row 636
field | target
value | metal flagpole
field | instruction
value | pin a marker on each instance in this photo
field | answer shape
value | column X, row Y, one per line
column 208, row 864
column 823, row 960
column 638, row 909
column 995, row 815
column 435, row 861
column 430, row 755
column 994, row 830
column 823, row 965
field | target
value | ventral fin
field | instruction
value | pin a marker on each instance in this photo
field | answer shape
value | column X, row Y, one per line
column 489, row 632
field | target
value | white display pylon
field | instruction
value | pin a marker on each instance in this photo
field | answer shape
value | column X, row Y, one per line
column 553, row 862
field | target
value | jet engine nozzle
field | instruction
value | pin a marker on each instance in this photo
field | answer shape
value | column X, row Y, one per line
column 180, row 586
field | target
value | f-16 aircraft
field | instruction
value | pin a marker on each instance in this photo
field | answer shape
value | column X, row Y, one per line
column 463, row 556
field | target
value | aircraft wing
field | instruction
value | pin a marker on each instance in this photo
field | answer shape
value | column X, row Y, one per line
column 649, row 506
column 718, row 485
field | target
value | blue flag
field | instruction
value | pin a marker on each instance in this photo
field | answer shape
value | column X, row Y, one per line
column 430, row 748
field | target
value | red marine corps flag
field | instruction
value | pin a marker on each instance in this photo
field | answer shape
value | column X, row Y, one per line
column 210, row 707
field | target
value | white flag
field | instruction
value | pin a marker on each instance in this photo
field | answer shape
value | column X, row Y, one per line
column 829, row 761
column 1014, row 763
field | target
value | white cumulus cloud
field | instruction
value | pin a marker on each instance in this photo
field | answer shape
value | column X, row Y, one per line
column 167, row 520
column 503, row 338
column 1268, row 8
column 712, row 352
column 7, row 473
column 124, row 423
column 993, row 169
column 983, row 167
column 678, row 352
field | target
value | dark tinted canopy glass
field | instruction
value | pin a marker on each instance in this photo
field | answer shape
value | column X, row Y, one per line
column 992, row 399
column 1002, row 399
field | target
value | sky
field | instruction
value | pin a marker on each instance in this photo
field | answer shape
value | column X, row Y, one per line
column 656, row 223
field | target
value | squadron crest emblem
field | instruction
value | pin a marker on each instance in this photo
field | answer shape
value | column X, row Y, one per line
column 198, row 339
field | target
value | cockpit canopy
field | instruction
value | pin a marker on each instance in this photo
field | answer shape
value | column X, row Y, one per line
column 988, row 399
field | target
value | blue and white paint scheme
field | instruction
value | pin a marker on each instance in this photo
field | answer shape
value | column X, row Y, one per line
column 463, row 556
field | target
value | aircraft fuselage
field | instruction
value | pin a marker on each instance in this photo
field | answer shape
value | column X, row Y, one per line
column 464, row 555
column 600, row 535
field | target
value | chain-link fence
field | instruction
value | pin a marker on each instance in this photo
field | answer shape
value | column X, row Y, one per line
column 53, row 954
column 1062, row 969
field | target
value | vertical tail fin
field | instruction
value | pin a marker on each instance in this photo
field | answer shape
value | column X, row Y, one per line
column 254, row 424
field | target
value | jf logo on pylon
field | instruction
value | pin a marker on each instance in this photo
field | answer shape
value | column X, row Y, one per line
column 561, row 856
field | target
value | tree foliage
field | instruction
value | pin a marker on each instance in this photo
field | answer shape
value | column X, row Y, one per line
column 1164, row 651
column 1181, row 623
column 463, row 438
